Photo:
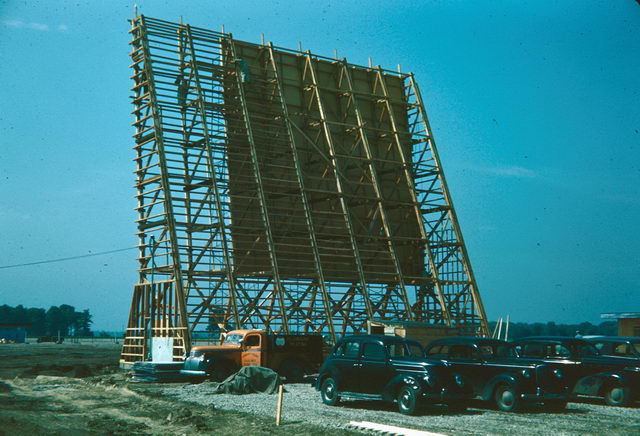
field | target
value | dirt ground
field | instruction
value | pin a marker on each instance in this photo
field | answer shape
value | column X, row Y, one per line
column 77, row 389
column 72, row 390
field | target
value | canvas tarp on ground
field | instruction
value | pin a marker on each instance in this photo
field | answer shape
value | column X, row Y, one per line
column 249, row 380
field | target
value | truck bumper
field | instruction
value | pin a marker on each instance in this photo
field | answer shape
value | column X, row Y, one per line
column 193, row 373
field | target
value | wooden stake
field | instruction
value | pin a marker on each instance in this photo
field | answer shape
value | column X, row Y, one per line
column 279, row 408
column 506, row 330
column 495, row 330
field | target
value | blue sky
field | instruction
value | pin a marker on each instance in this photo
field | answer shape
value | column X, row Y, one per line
column 535, row 107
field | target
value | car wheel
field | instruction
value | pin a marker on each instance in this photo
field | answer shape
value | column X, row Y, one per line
column 329, row 392
column 617, row 395
column 555, row 405
column 506, row 398
column 407, row 400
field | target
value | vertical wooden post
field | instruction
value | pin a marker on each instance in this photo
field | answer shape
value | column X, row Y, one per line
column 279, row 408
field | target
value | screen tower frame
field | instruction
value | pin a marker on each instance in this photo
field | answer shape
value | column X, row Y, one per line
column 284, row 190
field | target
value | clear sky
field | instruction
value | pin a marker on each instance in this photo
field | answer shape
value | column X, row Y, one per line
column 535, row 107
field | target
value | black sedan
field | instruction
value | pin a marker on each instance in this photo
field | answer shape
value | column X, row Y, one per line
column 491, row 367
column 392, row 369
column 616, row 379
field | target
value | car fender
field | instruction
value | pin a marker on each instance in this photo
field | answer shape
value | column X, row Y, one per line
column 332, row 373
column 596, row 384
column 395, row 384
column 512, row 379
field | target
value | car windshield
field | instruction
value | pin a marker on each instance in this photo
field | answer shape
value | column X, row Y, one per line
column 401, row 349
column 495, row 351
column 233, row 339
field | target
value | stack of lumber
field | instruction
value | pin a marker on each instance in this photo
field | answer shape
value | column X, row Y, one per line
column 158, row 372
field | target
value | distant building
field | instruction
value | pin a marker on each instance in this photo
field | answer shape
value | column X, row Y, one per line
column 419, row 331
column 14, row 332
column 628, row 322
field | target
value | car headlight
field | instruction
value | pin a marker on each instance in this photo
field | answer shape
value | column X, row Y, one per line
column 428, row 380
column 558, row 373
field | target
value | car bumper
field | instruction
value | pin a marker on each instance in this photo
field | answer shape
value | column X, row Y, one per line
column 312, row 379
column 444, row 395
column 541, row 396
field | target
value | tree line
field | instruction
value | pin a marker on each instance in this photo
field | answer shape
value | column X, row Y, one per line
column 63, row 320
column 522, row 329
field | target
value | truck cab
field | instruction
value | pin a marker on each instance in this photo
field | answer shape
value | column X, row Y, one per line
column 291, row 356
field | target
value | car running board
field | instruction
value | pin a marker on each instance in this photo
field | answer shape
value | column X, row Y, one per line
column 359, row 396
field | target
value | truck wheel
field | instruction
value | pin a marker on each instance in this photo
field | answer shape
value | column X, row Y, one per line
column 506, row 398
column 292, row 371
column 617, row 395
column 218, row 371
column 407, row 401
column 329, row 392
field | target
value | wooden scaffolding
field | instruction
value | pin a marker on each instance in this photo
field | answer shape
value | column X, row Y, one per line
column 282, row 190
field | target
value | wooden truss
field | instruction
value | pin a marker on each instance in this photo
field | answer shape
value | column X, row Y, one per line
column 282, row 190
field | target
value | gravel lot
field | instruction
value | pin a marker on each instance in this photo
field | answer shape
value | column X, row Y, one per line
column 302, row 404
column 41, row 394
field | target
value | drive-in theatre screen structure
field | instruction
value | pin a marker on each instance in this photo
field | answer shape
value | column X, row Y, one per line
column 282, row 190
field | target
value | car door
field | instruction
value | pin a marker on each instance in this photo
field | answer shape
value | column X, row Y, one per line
column 346, row 362
column 466, row 360
column 374, row 370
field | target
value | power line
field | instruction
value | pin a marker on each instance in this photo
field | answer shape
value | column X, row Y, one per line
column 62, row 259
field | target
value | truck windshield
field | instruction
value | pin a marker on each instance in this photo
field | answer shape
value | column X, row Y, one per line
column 234, row 339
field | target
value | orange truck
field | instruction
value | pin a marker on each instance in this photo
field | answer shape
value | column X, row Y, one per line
column 292, row 356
